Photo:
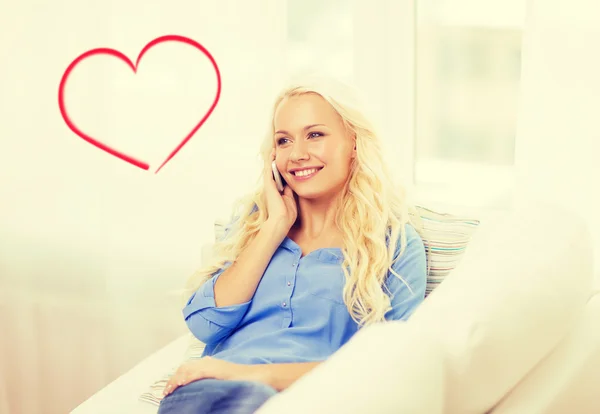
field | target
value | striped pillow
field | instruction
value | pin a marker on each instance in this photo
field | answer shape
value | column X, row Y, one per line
column 445, row 237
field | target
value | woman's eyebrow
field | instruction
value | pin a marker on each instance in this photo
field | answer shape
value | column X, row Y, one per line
column 306, row 128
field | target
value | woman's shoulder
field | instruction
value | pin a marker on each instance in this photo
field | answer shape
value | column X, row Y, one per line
column 411, row 231
column 414, row 241
column 411, row 265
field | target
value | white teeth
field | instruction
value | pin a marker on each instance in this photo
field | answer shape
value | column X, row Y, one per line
column 304, row 173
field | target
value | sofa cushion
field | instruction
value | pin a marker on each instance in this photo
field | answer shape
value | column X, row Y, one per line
column 566, row 381
column 523, row 282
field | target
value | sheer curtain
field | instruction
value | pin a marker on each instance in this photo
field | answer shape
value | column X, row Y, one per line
column 558, row 136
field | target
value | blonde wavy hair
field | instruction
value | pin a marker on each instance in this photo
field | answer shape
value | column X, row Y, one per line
column 371, row 212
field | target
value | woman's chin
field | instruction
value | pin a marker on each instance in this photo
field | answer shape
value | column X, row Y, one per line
column 308, row 193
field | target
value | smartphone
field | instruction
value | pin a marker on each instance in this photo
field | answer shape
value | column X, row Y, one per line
column 279, row 181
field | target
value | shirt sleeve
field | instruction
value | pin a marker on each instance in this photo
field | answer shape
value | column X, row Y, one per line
column 208, row 322
column 205, row 320
column 412, row 266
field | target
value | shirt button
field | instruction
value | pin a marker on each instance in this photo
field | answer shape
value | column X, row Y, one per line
column 284, row 305
column 293, row 264
column 289, row 283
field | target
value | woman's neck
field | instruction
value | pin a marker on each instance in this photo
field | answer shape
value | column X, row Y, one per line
column 316, row 219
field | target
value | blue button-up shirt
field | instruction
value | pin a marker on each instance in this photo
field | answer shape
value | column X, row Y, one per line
column 297, row 313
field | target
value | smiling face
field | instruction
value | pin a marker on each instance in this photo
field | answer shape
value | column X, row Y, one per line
column 313, row 149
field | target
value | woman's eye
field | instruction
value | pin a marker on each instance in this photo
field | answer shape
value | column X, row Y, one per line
column 281, row 141
column 315, row 134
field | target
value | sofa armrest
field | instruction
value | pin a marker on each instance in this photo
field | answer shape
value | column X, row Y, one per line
column 567, row 379
column 122, row 395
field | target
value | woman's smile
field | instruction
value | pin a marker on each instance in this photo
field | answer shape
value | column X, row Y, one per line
column 305, row 173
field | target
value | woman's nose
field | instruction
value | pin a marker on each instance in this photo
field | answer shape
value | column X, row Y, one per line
column 299, row 151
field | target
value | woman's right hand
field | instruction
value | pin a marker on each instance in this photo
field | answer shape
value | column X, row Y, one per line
column 282, row 210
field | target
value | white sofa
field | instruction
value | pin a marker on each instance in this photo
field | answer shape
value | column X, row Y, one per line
column 514, row 329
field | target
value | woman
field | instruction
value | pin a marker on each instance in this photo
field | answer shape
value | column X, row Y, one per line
column 300, row 272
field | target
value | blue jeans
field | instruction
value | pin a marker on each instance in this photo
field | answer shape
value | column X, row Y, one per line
column 211, row 396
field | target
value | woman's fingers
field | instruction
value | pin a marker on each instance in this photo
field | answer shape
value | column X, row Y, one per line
column 269, row 180
column 290, row 201
column 171, row 386
column 177, row 380
column 267, row 166
column 270, row 160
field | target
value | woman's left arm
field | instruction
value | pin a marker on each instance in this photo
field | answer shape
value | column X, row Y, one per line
column 278, row 376
column 281, row 376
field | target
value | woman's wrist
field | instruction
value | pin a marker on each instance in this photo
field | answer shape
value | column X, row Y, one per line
column 280, row 375
column 260, row 373
column 277, row 228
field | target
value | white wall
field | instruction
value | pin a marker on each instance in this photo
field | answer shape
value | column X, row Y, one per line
column 56, row 185
column 89, row 244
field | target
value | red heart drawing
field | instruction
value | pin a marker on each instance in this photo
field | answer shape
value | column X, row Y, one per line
column 121, row 56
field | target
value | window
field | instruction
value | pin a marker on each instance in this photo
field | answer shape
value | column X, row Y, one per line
column 467, row 62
